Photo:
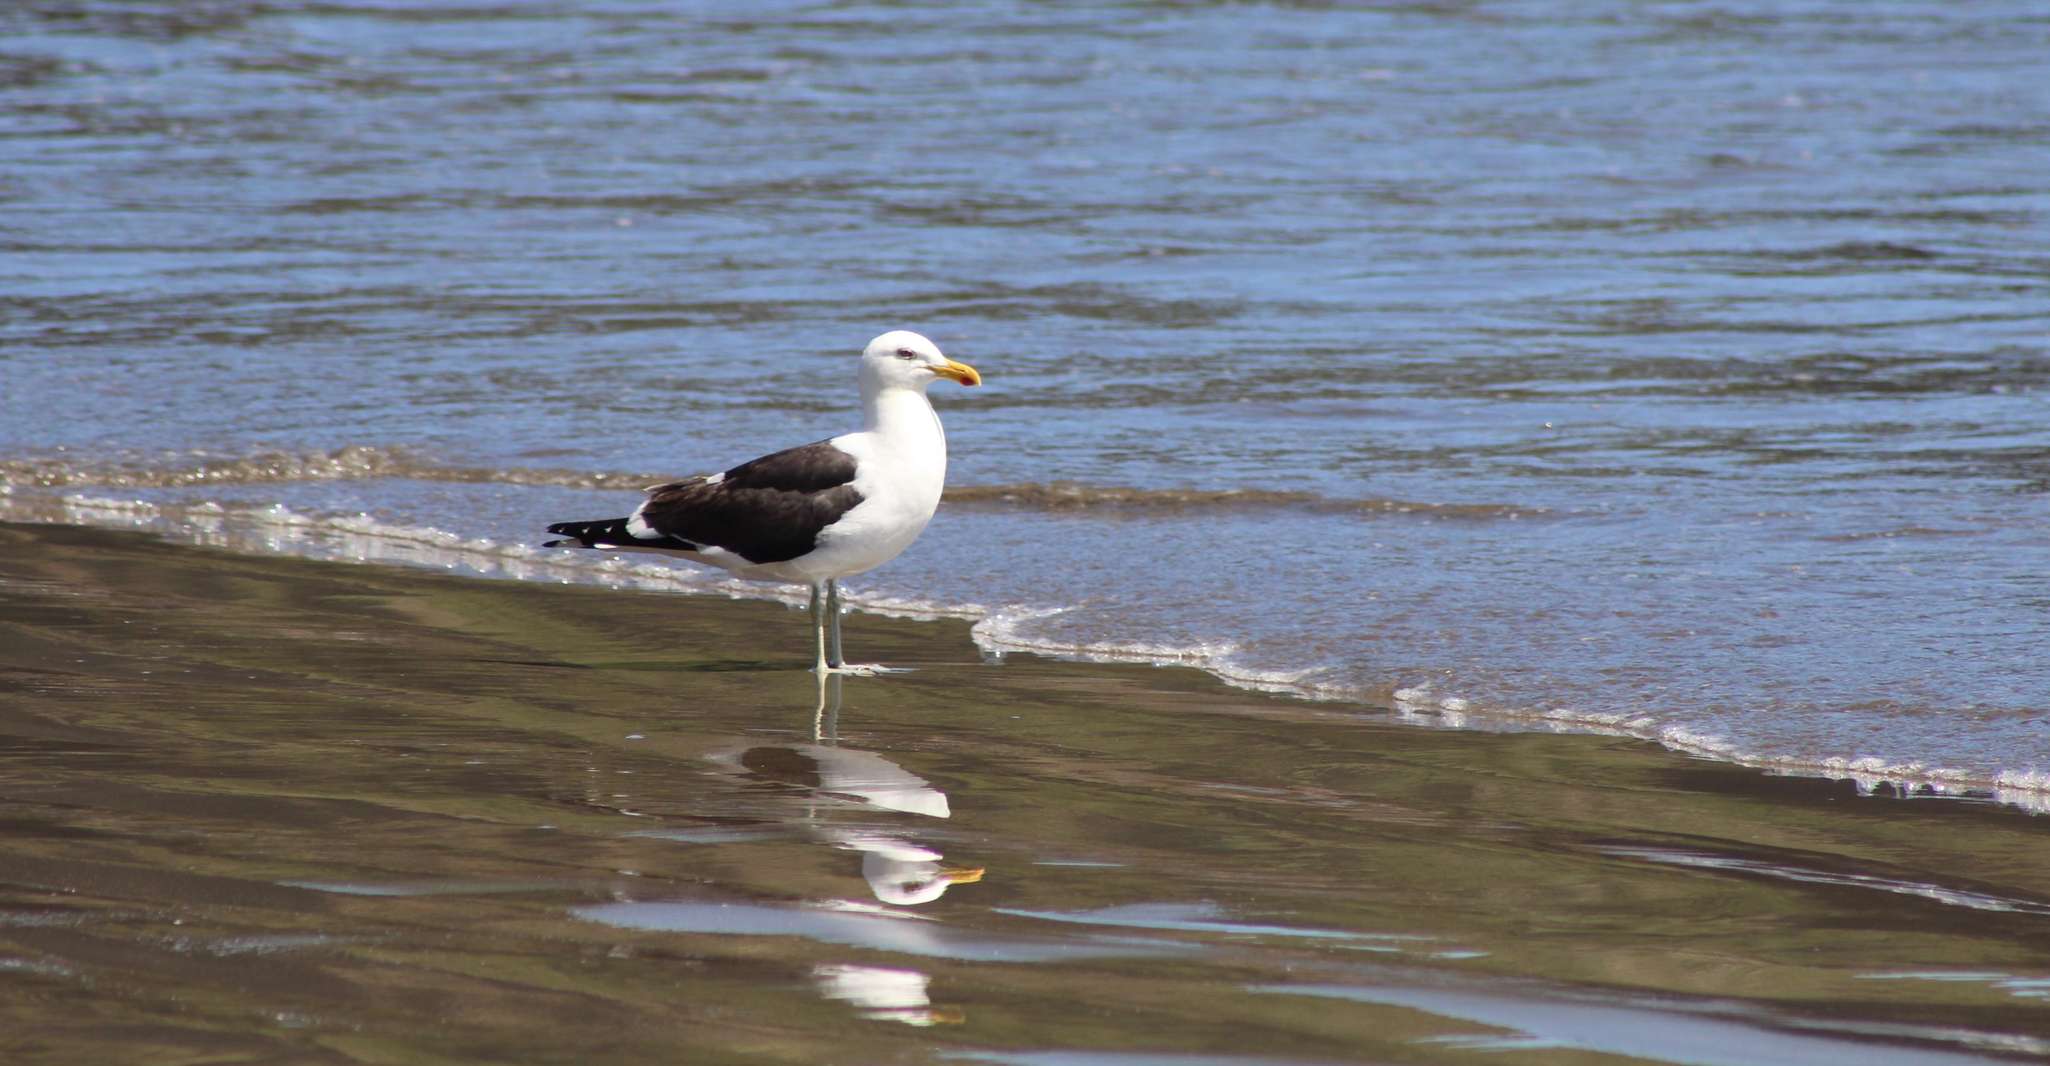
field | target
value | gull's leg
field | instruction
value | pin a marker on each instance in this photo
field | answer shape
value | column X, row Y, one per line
column 818, row 627
column 835, row 661
column 834, row 658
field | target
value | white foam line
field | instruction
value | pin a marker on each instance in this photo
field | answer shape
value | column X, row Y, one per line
column 1003, row 631
column 277, row 529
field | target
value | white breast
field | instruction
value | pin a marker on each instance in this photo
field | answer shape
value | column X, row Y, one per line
column 902, row 468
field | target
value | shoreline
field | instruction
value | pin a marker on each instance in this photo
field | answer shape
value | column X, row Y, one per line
column 275, row 531
column 245, row 788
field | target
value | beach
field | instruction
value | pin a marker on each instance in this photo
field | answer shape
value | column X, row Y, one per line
column 1666, row 371
column 1489, row 533
column 280, row 810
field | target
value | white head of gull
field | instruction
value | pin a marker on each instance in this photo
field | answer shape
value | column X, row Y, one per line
column 816, row 513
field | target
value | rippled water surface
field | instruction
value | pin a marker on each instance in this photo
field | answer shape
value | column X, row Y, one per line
column 265, row 810
column 1672, row 368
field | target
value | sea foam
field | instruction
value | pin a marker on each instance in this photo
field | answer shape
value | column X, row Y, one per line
column 359, row 537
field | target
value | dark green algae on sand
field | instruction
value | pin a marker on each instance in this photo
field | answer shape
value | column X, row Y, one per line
column 270, row 810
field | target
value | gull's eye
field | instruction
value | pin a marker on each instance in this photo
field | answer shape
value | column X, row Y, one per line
column 906, row 353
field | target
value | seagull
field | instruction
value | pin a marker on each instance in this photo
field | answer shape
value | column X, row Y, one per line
column 816, row 513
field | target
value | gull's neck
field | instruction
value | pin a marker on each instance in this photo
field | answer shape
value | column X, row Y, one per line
column 900, row 413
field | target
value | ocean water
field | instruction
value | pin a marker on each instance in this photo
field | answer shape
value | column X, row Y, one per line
column 1677, row 370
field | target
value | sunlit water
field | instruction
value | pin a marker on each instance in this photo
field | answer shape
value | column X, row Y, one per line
column 261, row 810
column 1675, row 369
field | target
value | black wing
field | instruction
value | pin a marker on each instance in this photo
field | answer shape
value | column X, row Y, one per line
column 766, row 510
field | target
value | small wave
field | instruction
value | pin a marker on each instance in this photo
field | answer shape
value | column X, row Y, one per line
column 1012, row 630
column 280, row 530
column 1075, row 496
column 1902, row 532
column 276, row 529
column 366, row 462
column 1860, row 251
column 2028, row 790
column 356, row 462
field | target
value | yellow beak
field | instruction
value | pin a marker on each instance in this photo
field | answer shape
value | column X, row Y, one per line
column 964, row 876
column 960, row 372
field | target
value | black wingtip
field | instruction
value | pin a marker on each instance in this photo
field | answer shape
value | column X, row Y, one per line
column 603, row 533
column 575, row 534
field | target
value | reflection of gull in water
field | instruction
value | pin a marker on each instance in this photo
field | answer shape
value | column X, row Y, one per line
column 842, row 773
column 883, row 994
column 901, row 872
column 827, row 769
column 898, row 871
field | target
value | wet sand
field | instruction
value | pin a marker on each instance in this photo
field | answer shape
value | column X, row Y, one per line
column 263, row 809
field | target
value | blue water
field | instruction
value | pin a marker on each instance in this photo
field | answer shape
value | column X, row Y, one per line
column 1675, row 369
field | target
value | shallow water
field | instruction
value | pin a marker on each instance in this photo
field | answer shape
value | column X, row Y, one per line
column 1676, row 370
column 259, row 810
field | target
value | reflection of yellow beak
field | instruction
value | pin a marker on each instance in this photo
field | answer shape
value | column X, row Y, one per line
column 966, row 875
column 960, row 372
